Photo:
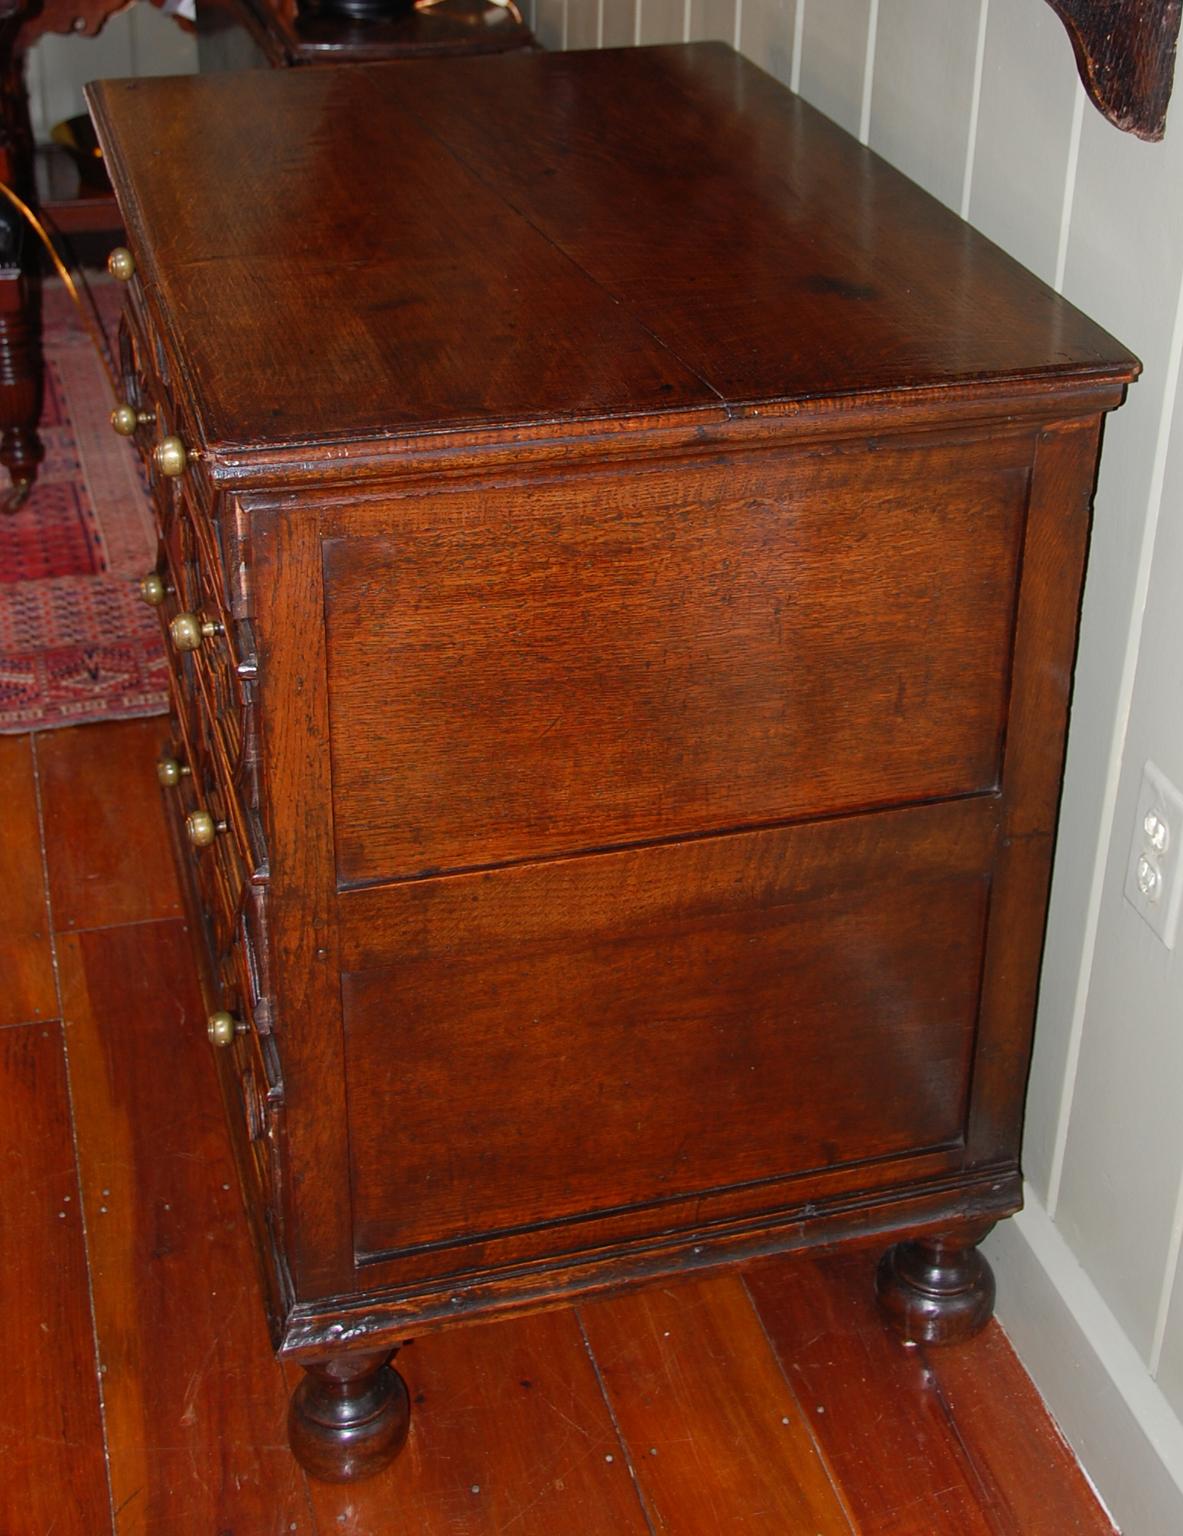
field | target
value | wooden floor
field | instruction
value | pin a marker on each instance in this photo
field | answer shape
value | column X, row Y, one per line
column 139, row 1393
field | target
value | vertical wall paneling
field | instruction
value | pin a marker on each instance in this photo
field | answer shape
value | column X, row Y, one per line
column 158, row 45
column 832, row 67
column 766, row 31
column 974, row 108
column 712, row 19
column 924, row 69
column 1114, row 1180
column 864, row 119
column 1080, row 101
column 550, row 22
column 138, row 41
column 61, row 65
column 662, row 21
column 1024, row 131
column 619, row 23
column 583, row 24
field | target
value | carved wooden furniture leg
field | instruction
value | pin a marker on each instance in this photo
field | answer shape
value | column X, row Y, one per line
column 20, row 308
column 349, row 1417
column 20, row 384
column 937, row 1290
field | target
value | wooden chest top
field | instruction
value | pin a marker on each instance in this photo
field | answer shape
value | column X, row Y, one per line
column 392, row 250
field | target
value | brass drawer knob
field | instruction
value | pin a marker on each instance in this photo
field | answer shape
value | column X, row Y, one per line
column 152, row 589
column 188, row 630
column 125, row 418
column 170, row 456
column 121, row 263
column 222, row 1028
column 169, row 771
column 201, row 828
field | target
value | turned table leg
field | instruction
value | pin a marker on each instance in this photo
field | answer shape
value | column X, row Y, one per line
column 20, row 384
column 937, row 1290
column 348, row 1417
column 20, row 308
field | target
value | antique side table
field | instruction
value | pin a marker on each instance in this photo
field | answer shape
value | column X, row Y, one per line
column 622, row 580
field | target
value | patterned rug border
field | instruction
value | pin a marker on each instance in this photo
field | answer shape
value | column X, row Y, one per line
column 76, row 646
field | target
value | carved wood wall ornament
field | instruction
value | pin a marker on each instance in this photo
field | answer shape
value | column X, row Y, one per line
column 1126, row 53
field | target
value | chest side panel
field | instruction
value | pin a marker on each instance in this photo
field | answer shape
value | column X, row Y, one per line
column 584, row 1038
column 595, row 663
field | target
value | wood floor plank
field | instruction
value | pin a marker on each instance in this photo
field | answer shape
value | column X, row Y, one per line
column 1031, row 1473
column 716, row 1437
column 509, row 1432
column 872, row 1401
column 108, row 853
column 195, row 1401
column 26, row 963
column 51, row 1437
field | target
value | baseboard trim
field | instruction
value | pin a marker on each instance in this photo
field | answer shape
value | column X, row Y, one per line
column 1095, row 1384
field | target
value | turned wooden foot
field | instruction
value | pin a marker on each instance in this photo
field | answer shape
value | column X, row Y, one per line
column 348, row 1417
column 20, row 371
column 936, row 1290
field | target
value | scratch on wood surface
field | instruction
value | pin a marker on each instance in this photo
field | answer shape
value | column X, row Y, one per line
column 131, row 1496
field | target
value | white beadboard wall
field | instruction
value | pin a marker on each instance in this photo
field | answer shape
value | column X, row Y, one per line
column 140, row 40
column 978, row 100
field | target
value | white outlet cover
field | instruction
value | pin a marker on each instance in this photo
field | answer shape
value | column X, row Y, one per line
column 1158, row 795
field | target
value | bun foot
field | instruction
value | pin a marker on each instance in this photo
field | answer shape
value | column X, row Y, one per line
column 936, row 1290
column 348, row 1418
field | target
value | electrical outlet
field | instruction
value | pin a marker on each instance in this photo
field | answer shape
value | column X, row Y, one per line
column 1152, row 881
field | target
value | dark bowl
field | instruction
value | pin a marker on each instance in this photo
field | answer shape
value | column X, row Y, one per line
column 77, row 137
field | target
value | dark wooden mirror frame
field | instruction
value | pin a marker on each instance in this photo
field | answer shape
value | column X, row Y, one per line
column 1126, row 53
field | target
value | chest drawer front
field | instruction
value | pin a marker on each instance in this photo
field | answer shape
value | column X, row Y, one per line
column 589, row 664
column 565, row 1041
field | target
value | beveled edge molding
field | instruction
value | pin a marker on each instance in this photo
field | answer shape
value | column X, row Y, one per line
column 1125, row 51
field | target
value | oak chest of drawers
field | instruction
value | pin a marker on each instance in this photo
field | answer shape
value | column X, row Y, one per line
column 621, row 548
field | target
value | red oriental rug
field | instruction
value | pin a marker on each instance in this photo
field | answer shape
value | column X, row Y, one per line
column 76, row 642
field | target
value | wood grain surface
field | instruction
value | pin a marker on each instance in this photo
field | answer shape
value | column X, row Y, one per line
column 51, row 1434
column 689, row 1376
column 890, row 1421
column 513, row 1422
column 109, row 860
column 29, row 991
column 194, row 1399
column 665, row 655
column 509, row 1433
column 737, row 248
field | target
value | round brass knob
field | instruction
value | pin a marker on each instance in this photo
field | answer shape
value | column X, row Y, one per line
column 188, row 630
column 170, row 456
column 125, row 419
column 152, row 589
column 169, row 771
column 121, row 263
column 222, row 1028
column 201, row 828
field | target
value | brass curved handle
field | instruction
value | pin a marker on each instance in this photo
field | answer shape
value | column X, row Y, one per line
column 125, row 418
column 170, row 456
column 188, row 630
column 169, row 771
column 201, row 828
column 222, row 1027
column 152, row 589
column 121, row 263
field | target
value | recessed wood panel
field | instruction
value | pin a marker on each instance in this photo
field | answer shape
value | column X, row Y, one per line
column 544, row 1044
column 585, row 664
